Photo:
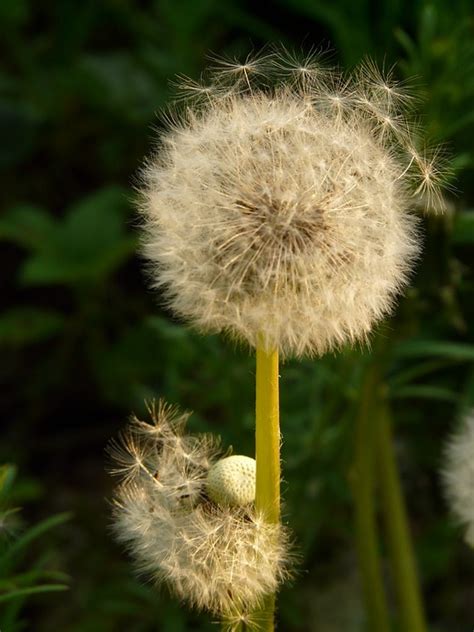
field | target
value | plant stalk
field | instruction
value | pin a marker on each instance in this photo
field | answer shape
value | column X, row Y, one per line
column 267, row 450
column 363, row 488
column 396, row 524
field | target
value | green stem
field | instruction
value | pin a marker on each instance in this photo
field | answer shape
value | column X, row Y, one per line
column 363, row 485
column 398, row 532
column 267, row 449
column 239, row 628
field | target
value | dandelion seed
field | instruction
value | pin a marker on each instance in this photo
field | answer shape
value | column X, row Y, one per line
column 188, row 89
column 284, row 210
column 434, row 173
column 252, row 622
column 237, row 74
column 383, row 89
column 305, row 71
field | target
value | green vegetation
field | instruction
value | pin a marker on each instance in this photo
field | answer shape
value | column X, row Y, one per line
column 84, row 342
column 20, row 578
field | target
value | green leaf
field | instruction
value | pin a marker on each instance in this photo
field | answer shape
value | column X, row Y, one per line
column 10, row 522
column 14, row 12
column 415, row 372
column 97, row 221
column 118, row 83
column 7, row 478
column 425, row 392
column 406, row 42
column 32, row 590
column 32, row 534
column 425, row 348
column 89, row 244
column 24, row 325
column 28, row 226
column 18, row 126
column 24, row 580
column 463, row 228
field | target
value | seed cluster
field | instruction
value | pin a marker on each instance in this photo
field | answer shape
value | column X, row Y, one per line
column 220, row 557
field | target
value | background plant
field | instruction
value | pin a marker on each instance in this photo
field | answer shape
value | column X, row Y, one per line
column 21, row 576
column 83, row 342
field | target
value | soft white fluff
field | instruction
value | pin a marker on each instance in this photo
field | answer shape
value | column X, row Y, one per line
column 222, row 559
column 458, row 475
column 277, row 206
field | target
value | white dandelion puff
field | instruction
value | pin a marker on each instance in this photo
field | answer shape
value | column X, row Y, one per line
column 280, row 209
column 220, row 557
column 458, row 475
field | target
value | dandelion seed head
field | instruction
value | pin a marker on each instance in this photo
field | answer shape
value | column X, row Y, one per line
column 458, row 475
column 219, row 557
column 280, row 209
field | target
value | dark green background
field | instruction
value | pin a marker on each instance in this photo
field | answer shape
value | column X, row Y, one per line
column 84, row 342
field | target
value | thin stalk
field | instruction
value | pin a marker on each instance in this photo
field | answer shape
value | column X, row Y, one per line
column 240, row 627
column 396, row 523
column 363, row 487
column 267, row 449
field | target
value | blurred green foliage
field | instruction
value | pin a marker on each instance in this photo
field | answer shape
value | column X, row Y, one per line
column 20, row 579
column 84, row 342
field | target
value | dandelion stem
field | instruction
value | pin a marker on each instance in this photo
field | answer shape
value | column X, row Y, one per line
column 398, row 532
column 267, row 448
column 363, row 486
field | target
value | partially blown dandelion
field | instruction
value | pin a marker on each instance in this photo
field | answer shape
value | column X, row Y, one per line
column 277, row 208
column 458, row 475
column 220, row 557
